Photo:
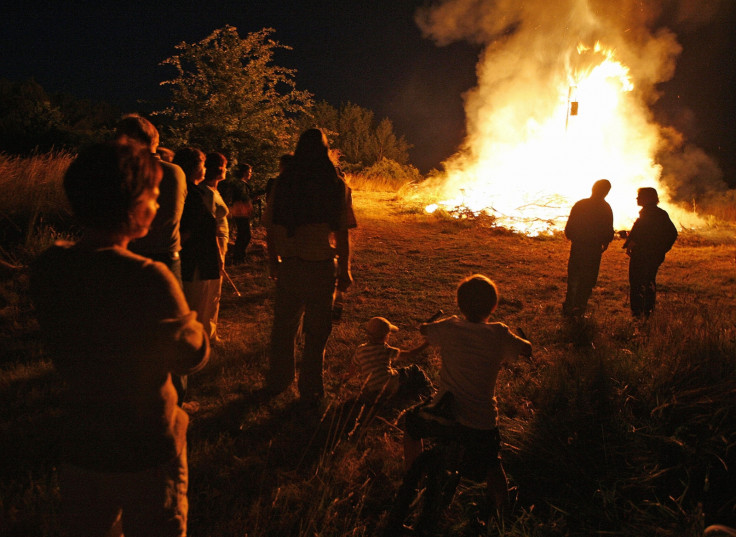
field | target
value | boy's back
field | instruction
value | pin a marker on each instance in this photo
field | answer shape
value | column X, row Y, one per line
column 471, row 355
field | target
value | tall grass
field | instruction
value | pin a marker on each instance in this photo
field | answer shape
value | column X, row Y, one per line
column 636, row 440
column 384, row 176
column 33, row 202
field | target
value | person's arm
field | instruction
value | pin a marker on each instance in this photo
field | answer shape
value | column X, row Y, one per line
column 190, row 346
column 515, row 346
column 344, row 276
column 411, row 353
column 178, row 335
column 571, row 227
column 608, row 231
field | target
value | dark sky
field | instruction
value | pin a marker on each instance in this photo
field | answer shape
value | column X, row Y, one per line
column 368, row 52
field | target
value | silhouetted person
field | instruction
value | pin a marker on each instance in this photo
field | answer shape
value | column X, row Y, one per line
column 308, row 237
column 240, row 201
column 117, row 326
column 590, row 230
column 163, row 242
column 651, row 237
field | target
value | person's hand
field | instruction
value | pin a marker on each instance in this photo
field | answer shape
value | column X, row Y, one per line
column 344, row 280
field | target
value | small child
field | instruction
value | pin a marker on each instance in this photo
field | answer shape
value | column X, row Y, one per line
column 380, row 378
column 471, row 352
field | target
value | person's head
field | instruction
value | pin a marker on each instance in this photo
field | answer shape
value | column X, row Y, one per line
column 378, row 329
column 215, row 165
column 647, row 196
column 312, row 145
column 139, row 129
column 477, row 298
column 601, row 188
column 191, row 161
column 243, row 172
column 113, row 186
column 284, row 161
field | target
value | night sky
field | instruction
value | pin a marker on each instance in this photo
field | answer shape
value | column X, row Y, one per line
column 368, row 52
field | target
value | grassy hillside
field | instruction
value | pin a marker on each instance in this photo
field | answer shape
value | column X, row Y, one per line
column 614, row 427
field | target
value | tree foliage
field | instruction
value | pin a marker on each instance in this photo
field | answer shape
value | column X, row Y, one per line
column 32, row 120
column 229, row 96
column 362, row 142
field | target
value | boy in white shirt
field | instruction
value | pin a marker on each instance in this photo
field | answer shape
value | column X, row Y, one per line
column 471, row 351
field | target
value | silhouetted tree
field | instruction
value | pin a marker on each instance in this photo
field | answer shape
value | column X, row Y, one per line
column 28, row 119
column 31, row 120
column 353, row 131
column 228, row 96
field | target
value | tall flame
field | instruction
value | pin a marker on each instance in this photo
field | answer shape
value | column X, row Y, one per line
column 550, row 117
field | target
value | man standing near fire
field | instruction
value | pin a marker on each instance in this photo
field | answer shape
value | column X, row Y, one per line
column 590, row 230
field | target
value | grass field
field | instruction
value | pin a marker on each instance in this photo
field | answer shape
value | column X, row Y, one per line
column 614, row 427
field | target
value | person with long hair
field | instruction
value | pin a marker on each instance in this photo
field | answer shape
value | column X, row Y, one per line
column 117, row 327
column 308, row 239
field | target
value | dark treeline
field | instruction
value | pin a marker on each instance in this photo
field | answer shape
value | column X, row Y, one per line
column 34, row 120
column 225, row 94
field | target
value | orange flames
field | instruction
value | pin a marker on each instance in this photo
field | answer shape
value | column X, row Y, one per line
column 537, row 147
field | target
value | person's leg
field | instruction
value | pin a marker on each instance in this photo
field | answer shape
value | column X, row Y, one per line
column 649, row 286
column 90, row 504
column 209, row 305
column 216, row 296
column 288, row 306
column 497, row 490
column 572, row 284
column 412, row 449
column 155, row 500
column 242, row 238
column 318, row 283
column 588, row 277
column 246, row 236
column 636, row 293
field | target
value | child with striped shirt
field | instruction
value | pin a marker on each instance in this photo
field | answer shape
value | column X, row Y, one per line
column 380, row 379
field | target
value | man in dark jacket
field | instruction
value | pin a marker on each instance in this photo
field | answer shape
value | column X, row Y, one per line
column 590, row 230
column 651, row 237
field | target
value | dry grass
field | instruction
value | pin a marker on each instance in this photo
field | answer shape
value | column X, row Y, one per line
column 614, row 428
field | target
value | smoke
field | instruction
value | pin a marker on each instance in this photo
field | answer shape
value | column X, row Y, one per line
column 529, row 49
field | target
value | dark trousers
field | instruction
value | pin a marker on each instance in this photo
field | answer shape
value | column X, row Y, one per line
column 582, row 275
column 303, row 288
column 242, row 239
column 642, row 284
